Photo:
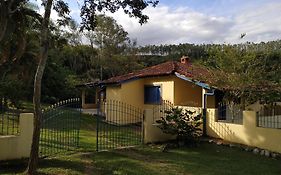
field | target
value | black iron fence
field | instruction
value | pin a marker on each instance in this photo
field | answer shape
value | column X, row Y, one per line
column 60, row 127
column 118, row 125
column 269, row 116
column 159, row 110
column 230, row 113
column 9, row 118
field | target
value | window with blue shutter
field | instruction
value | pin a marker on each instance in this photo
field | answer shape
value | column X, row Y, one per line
column 152, row 94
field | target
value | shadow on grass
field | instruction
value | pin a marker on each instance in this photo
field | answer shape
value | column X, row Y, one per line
column 46, row 166
column 65, row 164
column 116, row 163
column 13, row 166
column 205, row 159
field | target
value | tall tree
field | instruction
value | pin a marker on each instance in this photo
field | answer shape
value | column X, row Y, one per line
column 115, row 46
column 133, row 8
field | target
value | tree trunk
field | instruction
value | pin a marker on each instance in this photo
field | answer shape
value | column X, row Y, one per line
column 43, row 55
column 4, row 15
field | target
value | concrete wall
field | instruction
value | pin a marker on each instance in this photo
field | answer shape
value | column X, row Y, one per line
column 248, row 133
column 17, row 147
column 153, row 134
column 187, row 94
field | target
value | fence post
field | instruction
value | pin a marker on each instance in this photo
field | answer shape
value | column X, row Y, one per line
column 26, row 133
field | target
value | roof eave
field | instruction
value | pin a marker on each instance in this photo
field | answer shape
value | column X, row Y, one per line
column 198, row 83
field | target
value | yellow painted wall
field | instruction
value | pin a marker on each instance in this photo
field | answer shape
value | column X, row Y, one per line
column 173, row 89
column 211, row 102
column 126, row 97
column 132, row 92
column 17, row 147
column 247, row 134
column 152, row 133
column 187, row 94
column 167, row 86
column 113, row 93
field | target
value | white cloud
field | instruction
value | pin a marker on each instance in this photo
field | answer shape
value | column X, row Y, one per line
column 181, row 25
column 260, row 24
column 174, row 25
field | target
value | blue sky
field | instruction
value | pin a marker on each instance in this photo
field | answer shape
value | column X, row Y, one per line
column 202, row 21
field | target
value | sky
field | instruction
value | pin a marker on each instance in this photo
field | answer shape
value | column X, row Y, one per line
column 201, row 21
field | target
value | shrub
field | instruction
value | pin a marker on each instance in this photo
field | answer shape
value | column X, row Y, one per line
column 182, row 123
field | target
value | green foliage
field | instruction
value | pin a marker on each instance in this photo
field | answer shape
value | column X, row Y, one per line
column 116, row 53
column 184, row 124
column 132, row 8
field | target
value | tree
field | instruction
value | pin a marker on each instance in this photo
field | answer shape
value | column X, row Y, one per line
column 88, row 15
column 244, row 74
column 22, row 18
column 116, row 53
column 16, row 49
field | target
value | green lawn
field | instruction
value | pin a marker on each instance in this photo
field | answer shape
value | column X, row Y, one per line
column 146, row 160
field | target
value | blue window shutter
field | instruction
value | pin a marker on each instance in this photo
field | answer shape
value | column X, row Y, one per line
column 152, row 94
column 158, row 95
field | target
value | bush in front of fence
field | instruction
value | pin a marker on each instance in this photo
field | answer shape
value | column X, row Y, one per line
column 182, row 123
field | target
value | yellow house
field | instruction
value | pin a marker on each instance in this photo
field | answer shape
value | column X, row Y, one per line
column 179, row 83
column 170, row 81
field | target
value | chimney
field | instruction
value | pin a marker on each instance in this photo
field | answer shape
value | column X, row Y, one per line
column 185, row 59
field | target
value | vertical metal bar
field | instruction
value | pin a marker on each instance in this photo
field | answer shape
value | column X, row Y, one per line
column 13, row 122
column 121, row 116
column 142, row 127
column 79, row 123
column 7, row 120
column 111, row 138
column 72, row 113
column 115, row 123
column 129, row 111
column 2, row 118
column 97, row 124
column 120, row 120
column 67, row 122
column 18, row 115
column 105, row 125
column 48, row 130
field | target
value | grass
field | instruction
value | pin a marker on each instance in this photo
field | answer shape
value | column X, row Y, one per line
column 145, row 160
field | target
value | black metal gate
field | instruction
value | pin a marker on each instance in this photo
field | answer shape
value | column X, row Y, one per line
column 118, row 125
column 60, row 127
column 9, row 118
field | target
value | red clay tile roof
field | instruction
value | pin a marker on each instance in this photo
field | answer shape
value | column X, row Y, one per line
column 167, row 68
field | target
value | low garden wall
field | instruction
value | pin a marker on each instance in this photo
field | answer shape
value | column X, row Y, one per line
column 153, row 134
column 18, row 146
column 247, row 133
